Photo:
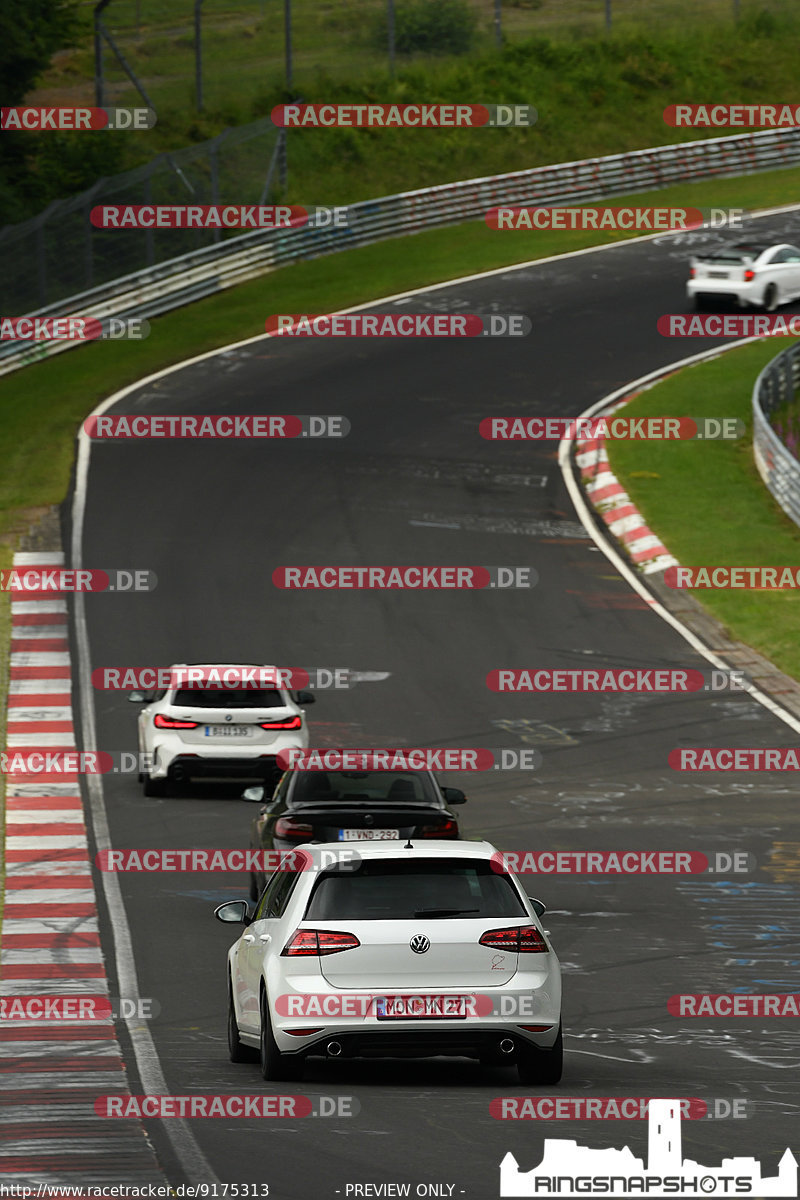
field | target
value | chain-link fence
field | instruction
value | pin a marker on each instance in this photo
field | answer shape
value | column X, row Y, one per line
column 60, row 252
column 775, row 434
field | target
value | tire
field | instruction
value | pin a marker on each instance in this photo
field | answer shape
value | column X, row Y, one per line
column 770, row 301
column 542, row 1066
column 700, row 303
column 274, row 1065
column 237, row 1051
column 154, row 787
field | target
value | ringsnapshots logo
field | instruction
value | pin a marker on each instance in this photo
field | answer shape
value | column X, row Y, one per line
column 403, row 578
column 38, row 119
column 221, row 426
column 398, row 325
column 570, row 1170
column 403, row 116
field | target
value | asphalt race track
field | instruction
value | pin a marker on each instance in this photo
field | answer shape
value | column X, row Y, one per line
column 414, row 483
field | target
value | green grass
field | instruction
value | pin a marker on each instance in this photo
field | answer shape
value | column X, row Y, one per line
column 595, row 94
column 44, row 404
column 707, row 501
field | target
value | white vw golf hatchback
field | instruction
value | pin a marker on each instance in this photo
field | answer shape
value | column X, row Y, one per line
column 392, row 949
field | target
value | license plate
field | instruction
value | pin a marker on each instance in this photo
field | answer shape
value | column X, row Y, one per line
column 420, row 1008
column 368, row 835
column 229, row 731
column 718, row 275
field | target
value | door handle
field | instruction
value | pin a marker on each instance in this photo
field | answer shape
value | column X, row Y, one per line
column 249, row 938
column 265, row 937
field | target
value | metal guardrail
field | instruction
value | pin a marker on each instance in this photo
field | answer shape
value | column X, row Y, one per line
column 212, row 269
column 777, row 384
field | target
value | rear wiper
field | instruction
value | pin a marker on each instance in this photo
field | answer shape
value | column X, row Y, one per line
column 444, row 912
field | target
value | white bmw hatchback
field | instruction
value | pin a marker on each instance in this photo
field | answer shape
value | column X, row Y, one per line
column 225, row 731
column 390, row 950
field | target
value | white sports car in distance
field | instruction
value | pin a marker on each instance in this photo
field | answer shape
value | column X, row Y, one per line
column 754, row 272
column 390, row 949
column 222, row 731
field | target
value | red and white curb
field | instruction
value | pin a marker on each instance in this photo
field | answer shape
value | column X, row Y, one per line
column 615, row 507
column 51, row 1071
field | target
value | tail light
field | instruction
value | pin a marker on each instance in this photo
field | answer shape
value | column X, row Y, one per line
column 286, row 723
column 448, row 829
column 162, row 722
column 524, row 939
column 692, row 272
column 307, row 943
column 749, row 276
column 286, row 827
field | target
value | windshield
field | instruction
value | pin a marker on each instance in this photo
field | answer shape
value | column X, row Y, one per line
column 365, row 787
column 400, row 890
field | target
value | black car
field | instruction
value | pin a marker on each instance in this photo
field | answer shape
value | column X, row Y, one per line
column 351, row 806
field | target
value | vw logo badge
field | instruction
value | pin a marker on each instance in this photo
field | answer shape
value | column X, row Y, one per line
column 420, row 944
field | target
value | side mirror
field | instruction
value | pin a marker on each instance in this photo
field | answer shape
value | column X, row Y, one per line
column 234, row 912
column 306, row 698
column 254, row 794
column 454, row 795
column 538, row 907
column 136, row 697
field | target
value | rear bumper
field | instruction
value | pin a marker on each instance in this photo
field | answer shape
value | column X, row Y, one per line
column 468, row 1042
column 188, row 766
column 723, row 289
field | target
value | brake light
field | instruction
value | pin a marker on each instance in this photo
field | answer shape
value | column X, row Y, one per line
column 749, row 276
column 286, row 827
column 307, row 943
column 288, row 723
column 162, row 722
column 448, row 829
column 692, row 272
column 520, row 940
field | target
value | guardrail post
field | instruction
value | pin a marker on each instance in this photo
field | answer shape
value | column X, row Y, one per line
column 198, row 57
column 99, row 90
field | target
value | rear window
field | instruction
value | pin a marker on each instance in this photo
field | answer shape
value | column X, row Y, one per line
column 381, row 890
column 353, row 787
column 228, row 698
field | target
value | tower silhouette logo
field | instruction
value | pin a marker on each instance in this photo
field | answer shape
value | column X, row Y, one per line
column 568, row 1169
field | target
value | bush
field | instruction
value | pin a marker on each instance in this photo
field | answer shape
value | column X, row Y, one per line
column 430, row 27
